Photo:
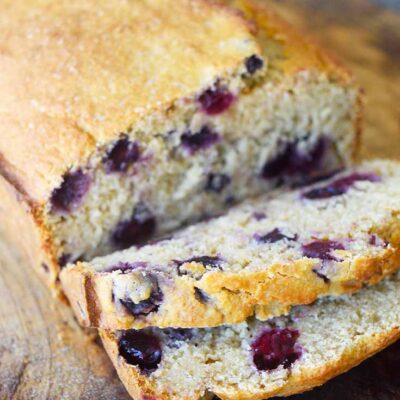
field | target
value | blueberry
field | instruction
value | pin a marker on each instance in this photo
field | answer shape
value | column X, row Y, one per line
column 324, row 192
column 69, row 195
column 253, row 64
column 274, row 236
column 135, row 231
column 201, row 140
column 217, row 182
column 310, row 180
column 275, row 347
column 145, row 307
column 64, row 259
column 276, row 168
column 141, row 349
column 126, row 266
column 213, row 262
column 339, row 186
column 308, row 162
column 375, row 240
column 259, row 216
column 292, row 161
column 121, row 156
column 216, row 100
column 206, row 261
column 322, row 249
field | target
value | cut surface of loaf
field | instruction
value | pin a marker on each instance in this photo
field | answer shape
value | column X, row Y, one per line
column 123, row 121
column 263, row 256
column 258, row 360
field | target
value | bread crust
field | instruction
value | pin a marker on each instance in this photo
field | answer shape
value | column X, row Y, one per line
column 236, row 296
column 140, row 388
column 63, row 125
column 58, row 116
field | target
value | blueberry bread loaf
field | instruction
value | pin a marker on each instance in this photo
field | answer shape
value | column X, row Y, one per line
column 124, row 120
column 263, row 256
column 258, row 360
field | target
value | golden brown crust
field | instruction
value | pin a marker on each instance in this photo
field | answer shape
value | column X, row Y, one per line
column 69, row 86
column 56, row 114
column 235, row 296
column 139, row 387
column 299, row 51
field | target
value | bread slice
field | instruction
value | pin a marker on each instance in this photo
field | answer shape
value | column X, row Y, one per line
column 262, row 257
column 258, row 360
column 123, row 121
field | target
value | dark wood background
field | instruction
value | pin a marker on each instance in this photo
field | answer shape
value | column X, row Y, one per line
column 44, row 354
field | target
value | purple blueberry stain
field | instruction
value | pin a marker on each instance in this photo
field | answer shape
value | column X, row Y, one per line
column 274, row 236
column 339, row 186
column 310, row 180
column 276, row 347
column 215, row 100
column 375, row 240
column 69, row 195
column 259, row 216
column 372, row 240
column 135, row 231
column 201, row 140
column 207, row 261
column 322, row 249
column 253, row 64
column 140, row 349
column 147, row 306
column 125, row 267
column 293, row 161
column 67, row 258
column 216, row 183
column 307, row 162
column 64, row 259
column 276, row 167
column 121, row 156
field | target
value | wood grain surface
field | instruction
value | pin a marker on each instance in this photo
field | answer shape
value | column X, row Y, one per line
column 45, row 355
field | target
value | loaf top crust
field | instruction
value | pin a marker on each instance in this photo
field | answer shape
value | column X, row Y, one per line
column 77, row 74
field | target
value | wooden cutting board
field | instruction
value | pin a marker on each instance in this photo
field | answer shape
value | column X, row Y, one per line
column 44, row 354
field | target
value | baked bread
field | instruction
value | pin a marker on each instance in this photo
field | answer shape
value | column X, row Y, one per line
column 122, row 120
column 258, row 360
column 262, row 257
